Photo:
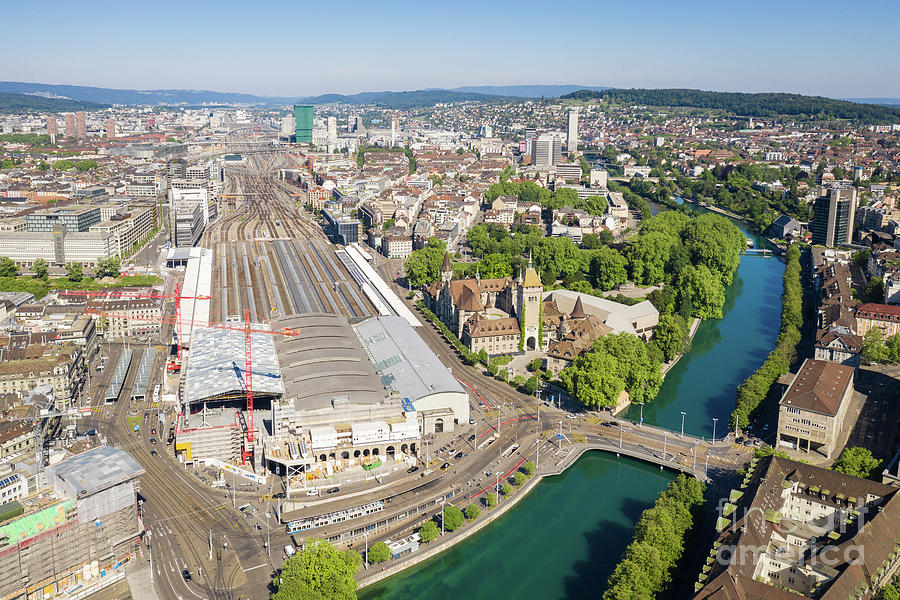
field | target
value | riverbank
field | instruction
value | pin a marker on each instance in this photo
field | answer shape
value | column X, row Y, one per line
column 587, row 548
column 570, row 455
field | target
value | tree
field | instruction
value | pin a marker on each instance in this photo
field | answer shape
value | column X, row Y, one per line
column 317, row 571
column 8, row 268
column 670, row 336
column 856, row 461
column 875, row 290
column 531, row 385
column 107, row 267
column 483, row 357
column 75, row 272
column 519, row 478
column 495, row 266
column 607, row 269
column 490, row 499
column 506, row 489
column 536, row 365
column 379, row 552
column 428, row 531
column 873, row 348
column 40, row 268
column 529, row 468
column 472, row 511
column 705, row 291
column 453, row 518
column 424, row 265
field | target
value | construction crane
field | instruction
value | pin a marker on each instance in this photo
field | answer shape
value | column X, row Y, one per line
column 148, row 295
column 247, row 329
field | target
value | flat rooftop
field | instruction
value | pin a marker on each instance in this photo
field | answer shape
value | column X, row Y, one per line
column 93, row 471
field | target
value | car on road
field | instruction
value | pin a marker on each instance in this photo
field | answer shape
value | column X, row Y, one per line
column 153, row 431
column 472, row 437
column 278, row 495
column 312, row 492
column 412, row 469
column 445, row 466
column 458, row 456
column 186, row 574
column 333, row 490
column 471, row 420
column 92, row 432
column 748, row 442
column 152, row 440
column 571, row 416
column 153, row 453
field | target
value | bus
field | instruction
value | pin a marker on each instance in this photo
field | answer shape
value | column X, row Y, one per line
column 335, row 517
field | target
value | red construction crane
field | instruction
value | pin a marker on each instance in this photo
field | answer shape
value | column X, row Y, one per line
column 246, row 328
column 150, row 294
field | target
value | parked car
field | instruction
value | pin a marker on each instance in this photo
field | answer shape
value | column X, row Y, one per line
column 445, row 466
column 333, row 490
column 459, row 455
column 412, row 469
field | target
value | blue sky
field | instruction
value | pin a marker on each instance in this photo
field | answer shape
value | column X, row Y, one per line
column 830, row 48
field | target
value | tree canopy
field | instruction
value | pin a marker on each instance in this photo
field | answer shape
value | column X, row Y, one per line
column 318, row 571
column 424, row 265
column 857, row 461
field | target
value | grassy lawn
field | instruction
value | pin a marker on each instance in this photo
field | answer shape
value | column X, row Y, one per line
column 132, row 421
column 40, row 287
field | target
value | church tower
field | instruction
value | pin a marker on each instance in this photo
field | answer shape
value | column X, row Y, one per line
column 528, row 307
column 446, row 269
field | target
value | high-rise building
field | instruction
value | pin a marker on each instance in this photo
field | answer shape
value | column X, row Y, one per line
column 287, row 125
column 530, row 136
column 81, row 125
column 70, row 125
column 52, row 128
column 110, row 125
column 303, row 115
column 833, row 215
column 546, row 150
column 358, row 126
column 332, row 129
column 572, row 131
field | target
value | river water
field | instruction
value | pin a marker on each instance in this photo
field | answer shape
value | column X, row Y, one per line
column 564, row 539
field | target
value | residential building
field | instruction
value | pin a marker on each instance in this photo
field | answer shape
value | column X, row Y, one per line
column 572, row 131
column 70, row 126
column 396, row 246
column 52, row 129
column 60, row 367
column 546, row 151
column 110, row 127
column 15, row 438
column 833, row 216
column 811, row 412
column 883, row 316
column 127, row 317
column 784, row 227
column 793, row 530
column 81, row 125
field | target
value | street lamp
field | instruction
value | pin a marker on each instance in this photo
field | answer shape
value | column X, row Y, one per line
column 682, row 423
column 150, row 551
column 366, row 534
column 714, row 430
column 642, row 414
column 442, row 516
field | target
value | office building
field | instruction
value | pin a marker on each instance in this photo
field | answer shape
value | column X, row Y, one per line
column 110, row 126
column 346, row 229
column 69, row 218
column 188, row 217
column 572, row 131
column 833, row 216
column 358, row 126
column 70, row 125
column 52, row 128
column 81, row 125
column 546, row 150
column 303, row 117
column 176, row 169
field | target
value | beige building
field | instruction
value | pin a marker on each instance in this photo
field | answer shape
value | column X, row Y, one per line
column 127, row 317
column 16, row 438
column 812, row 409
column 57, row 366
column 883, row 316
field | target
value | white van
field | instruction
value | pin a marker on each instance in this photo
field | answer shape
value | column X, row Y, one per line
column 289, row 551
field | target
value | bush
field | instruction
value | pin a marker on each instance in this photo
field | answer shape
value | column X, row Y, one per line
column 379, row 552
column 472, row 511
column 428, row 531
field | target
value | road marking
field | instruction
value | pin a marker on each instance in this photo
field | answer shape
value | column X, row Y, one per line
column 256, row 567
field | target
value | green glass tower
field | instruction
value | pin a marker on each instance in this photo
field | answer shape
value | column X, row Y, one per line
column 303, row 114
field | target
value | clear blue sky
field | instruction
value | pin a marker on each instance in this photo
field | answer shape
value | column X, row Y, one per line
column 300, row 47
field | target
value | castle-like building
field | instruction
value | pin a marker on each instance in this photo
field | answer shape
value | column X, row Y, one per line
column 505, row 315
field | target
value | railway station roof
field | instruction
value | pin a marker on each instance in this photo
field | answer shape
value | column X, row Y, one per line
column 324, row 362
column 217, row 363
column 402, row 359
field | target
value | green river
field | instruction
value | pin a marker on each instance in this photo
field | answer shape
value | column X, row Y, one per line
column 564, row 539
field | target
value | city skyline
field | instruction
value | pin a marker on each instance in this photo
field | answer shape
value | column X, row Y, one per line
column 279, row 49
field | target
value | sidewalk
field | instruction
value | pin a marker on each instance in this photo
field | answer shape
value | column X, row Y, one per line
column 138, row 576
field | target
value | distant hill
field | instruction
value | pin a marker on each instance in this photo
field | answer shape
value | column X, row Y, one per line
column 756, row 105
column 404, row 100
column 23, row 103
column 527, row 91
column 884, row 101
